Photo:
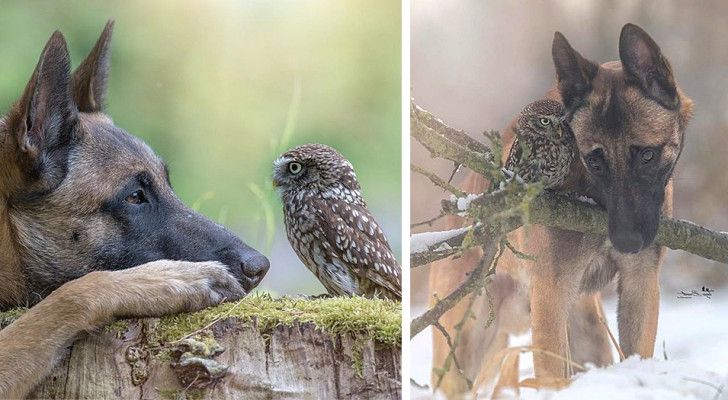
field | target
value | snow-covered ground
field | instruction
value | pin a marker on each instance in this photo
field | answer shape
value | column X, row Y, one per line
column 695, row 336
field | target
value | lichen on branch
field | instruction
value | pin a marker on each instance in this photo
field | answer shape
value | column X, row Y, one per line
column 445, row 142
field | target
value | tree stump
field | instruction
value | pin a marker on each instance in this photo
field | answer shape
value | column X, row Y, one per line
column 292, row 349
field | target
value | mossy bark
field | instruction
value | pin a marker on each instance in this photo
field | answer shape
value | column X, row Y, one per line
column 561, row 212
column 255, row 348
column 297, row 361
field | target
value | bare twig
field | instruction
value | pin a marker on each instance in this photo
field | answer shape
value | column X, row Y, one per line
column 455, row 170
column 213, row 322
column 453, row 344
column 598, row 306
column 437, row 180
column 477, row 278
column 427, row 221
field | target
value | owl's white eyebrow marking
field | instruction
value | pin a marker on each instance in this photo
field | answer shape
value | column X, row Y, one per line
column 280, row 161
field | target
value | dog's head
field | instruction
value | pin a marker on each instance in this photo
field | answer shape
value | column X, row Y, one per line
column 629, row 119
column 83, row 194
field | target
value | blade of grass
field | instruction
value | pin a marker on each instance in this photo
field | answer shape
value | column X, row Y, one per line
column 292, row 116
column 270, row 224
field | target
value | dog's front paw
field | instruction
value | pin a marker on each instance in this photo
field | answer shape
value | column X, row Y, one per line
column 217, row 279
column 202, row 283
column 157, row 288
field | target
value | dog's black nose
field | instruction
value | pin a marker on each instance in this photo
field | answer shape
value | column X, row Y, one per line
column 254, row 267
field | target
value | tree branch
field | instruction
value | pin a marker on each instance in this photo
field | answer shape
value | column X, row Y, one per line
column 548, row 209
column 558, row 211
column 437, row 180
column 443, row 141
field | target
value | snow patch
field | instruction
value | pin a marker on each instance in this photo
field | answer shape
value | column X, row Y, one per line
column 640, row 379
column 694, row 335
column 464, row 202
column 420, row 242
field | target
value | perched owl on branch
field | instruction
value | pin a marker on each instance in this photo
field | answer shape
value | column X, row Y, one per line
column 544, row 145
column 329, row 226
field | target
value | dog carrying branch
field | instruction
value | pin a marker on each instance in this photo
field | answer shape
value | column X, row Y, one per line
column 513, row 205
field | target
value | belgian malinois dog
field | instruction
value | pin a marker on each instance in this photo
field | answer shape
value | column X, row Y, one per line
column 90, row 229
column 629, row 119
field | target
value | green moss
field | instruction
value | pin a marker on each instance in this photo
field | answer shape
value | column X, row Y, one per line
column 357, row 350
column 380, row 320
column 176, row 394
column 7, row 317
column 118, row 327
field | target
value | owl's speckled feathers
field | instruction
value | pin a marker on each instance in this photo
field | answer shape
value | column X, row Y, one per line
column 329, row 226
column 544, row 147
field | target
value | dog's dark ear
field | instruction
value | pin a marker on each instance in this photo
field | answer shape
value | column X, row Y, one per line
column 90, row 78
column 644, row 63
column 45, row 117
column 574, row 73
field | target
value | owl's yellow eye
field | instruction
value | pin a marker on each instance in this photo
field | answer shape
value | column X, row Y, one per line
column 544, row 121
column 295, row 167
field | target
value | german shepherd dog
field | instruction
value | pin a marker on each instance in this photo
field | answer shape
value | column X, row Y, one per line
column 90, row 229
column 629, row 119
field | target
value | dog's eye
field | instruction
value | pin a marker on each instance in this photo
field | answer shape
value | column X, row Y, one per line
column 137, row 197
column 544, row 121
column 295, row 167
column 594, row 163
column 647, row 155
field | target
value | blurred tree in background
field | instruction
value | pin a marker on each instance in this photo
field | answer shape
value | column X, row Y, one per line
column 220, row 88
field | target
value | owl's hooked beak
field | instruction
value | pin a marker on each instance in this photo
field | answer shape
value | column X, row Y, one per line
column 562, row 127
column 275, row 184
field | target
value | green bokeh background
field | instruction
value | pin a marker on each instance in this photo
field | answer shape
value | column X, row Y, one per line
column 212, row 86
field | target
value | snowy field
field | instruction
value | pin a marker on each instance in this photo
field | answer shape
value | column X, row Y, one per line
column 695, row 336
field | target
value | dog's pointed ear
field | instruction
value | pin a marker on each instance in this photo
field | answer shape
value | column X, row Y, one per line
column 90, row 78
column 644, row 63
column 45, row 117
column 574, row 73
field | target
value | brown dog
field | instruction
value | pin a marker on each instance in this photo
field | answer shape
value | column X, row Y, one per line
column 629, row 120
column 89, row 223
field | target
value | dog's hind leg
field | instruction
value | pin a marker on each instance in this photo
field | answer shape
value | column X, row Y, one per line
column 30, row 346
column 588, row 338
column 555, row 283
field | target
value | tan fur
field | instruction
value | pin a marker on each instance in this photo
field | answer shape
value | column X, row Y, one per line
column 32, row 343
column 67, row 224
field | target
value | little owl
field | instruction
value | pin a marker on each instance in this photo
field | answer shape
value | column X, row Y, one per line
column 329, row 226
column 544, row 145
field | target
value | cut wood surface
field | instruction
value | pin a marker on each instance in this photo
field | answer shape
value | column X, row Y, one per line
column 222, row 353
